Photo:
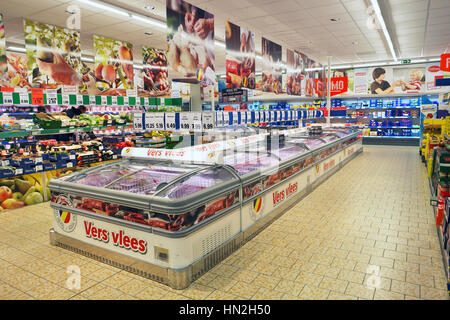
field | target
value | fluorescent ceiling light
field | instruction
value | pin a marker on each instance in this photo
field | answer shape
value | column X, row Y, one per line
column 418, row 60
column 377, row 10
column 341, row 67
column 434, row 59
column 219, row 43
column 368, row 65
column 99, row 5
column 312, row 69
column 16, row 49
column 393, row 62
column 149, row 20
column 87, row 59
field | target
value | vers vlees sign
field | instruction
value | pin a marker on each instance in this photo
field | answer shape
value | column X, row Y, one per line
column 338, row 85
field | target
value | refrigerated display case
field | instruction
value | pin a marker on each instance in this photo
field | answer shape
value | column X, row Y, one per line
column 171, row 215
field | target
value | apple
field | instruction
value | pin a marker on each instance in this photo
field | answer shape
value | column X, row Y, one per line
column 5, row 193
column 8, row 203
column 108, row 73
column 18, row 204
column 98, row 71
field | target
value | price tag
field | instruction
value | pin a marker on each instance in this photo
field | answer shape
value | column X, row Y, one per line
column 131, row 92
column 52, row 97
column 37, row 160
column 92, row 100
column 37, row 96
column 71, row 156
column 79, row 99
column 104, row 101
column 39, row 168
column 7, row 98
column 146, row 102
column 114, row 157
column 5, row 163
column 23, row 97
column 185, row 119
column 126, row 101
column 18, row 171
column 272, row 116
column 226, row 119
column 207, row 120
column 219, row 119
column 114, row 100
column 154, row 121
column 69, row 164
column 196, row 121
column 137, row 120
column 266, row 116
column 170, row 121
column 65, row 99
column 235, row 118
column 248, row 117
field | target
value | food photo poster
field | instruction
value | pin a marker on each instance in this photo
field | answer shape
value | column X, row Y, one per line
column 190, row 39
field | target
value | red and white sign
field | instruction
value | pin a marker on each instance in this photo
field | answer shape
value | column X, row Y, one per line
column 338, row 85
column 445, row 62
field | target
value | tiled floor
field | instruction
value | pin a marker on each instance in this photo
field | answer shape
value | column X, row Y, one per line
column 366, row 233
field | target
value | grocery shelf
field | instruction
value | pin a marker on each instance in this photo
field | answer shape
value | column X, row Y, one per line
column 391, row 140
column 25, row 133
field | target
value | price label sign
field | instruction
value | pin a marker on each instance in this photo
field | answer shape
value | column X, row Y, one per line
column 5, row 163
column 7, row 98
column 185, row 119
column 37, row 96
column 23, row 97
column 79, row 99
column 235, row 118
column 69, row 164
column 266, row 116
column 272, row 116
column 92, row 100
column 170, row 122
column 208, row 120
column 219, row 119
column 126, row 101
column 39, row 168
column 226, row 119
column 18, row 171
column 137, row 120
column 104, row 100
column 196, row 121
column 65, row 99
column 146, row 102
column 154, row 121
column 114, row 100
column 248, row 117
column 52, row 97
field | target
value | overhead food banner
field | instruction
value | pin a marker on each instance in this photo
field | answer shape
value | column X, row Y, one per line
column 240, row 57
column 16, row 75
column 154, row 74
column 53, row 55
column 113, row 66
column 319, row 81
column 308, row 79
column 271, row 67
column 3, row 60
column 190, row 43
column 294, row 72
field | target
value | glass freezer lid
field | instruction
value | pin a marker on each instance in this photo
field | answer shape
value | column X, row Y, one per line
column 310, row 142
column 135, row 176
column 197, row 181
column 247, row 162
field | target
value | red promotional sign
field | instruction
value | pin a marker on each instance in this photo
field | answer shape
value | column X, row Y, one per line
column 7, row 89
column 445, row 62
column 37, row 96
column 338, row 85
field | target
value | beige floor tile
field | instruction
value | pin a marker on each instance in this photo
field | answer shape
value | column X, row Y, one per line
column 327, row 271
column 406, row 266
column 132, row 287
column 289, row 287
column 360, row 291
column 206, row 278
column 219, row 295
column 313, row 293
column 285, row 273
column 422, row 279
column 381, row 294
column 244, row 290
column 352, row 276
column 406, row 288
column 269, row 282
column 245, row 275
column 377, row 282
column 333, row 284
column 222, row 283
column 428, row 293
column 266, row 294
column 309, row 278
column 339, row 296
column 174, row 296
column 390, row 273
column 151, row 293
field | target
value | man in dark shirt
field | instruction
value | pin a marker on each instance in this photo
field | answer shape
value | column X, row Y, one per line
column 380, row 86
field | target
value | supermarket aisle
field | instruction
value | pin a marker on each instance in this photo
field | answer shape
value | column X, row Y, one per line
column 366, row 233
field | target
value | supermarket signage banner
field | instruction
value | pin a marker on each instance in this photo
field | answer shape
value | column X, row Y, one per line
column 350, row 75
column 445, row 62
column 3, row 61
column 154, row 72
column 294, row 72
column 308, row 82
column 271, row 67
column 360, row 80
column 113, row 66
column 240, row 57
column 399, row 79
column 339, row 85
column 53, row 55
column 190, row 37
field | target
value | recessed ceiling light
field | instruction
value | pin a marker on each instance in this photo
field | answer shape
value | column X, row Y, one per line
column 149, row 8
column 69, row 11
column 148, row 33
column 355, row 43
column 335, row 19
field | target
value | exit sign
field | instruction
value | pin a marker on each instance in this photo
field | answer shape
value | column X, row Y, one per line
column 406, row 61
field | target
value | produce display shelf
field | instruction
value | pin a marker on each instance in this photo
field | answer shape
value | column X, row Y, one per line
column 392, row 137
column 382, row 108
column 371, row 118
column 25, row 133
